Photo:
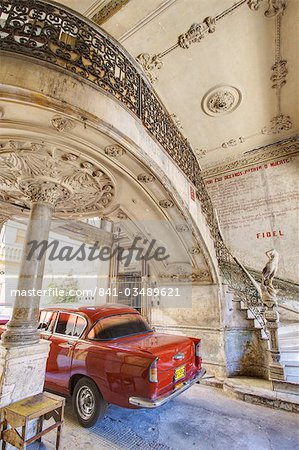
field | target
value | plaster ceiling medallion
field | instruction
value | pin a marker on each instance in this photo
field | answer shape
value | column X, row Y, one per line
column 114, row 151
column 61, row 123
column 221, row 100
column 35, row 171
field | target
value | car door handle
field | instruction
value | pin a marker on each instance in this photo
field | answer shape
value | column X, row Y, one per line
column 70, row 343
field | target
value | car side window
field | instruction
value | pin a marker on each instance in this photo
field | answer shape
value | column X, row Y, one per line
column 79, row 327
column 70, row 324
column 47, row 321
column 65, row 324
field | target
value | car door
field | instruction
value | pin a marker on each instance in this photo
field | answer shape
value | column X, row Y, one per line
column 68, row 329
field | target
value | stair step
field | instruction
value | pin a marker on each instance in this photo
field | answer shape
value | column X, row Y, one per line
column 292, row 378
column 288, row 340
column 287, row 386
column 287, row 356
column 289, row 347
column 291, row 370
column 292, row 328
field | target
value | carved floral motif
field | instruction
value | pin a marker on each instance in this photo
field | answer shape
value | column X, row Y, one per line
column 150, row 63
column 195, row 250
column 114, row 151
column 233, row 142
column 146, row 177
column 200, row 275
column 28, row 174
column 183, row 227
column 166, row 203
column 121, row 215
column 279, row 74
column 197, row 32
column 221, row 100
column 278, row 124
column 61, row 123
column 39, row 191
column 275, row 8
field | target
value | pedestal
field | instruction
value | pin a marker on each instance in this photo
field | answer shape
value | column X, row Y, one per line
column 22, row 371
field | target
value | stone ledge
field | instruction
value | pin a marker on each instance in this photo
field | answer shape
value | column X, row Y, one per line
column 259, row 392
column 255, row 391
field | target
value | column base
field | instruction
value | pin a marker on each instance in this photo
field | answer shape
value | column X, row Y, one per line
column 22, row 371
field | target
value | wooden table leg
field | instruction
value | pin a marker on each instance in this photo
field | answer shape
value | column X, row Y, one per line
column 59, row 429
column 39, row 427
column 24, row 431
column 4, row 427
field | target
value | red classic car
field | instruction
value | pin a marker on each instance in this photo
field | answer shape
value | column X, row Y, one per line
column 109, row 354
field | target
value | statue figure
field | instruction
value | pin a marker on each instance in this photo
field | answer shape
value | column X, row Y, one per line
column 268, row 272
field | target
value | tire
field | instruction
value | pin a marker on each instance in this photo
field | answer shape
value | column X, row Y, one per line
column 88, row 402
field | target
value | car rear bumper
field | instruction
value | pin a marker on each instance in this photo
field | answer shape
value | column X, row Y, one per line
column 148, row 403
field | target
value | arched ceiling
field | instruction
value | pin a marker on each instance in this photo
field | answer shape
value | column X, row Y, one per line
column 234, row 87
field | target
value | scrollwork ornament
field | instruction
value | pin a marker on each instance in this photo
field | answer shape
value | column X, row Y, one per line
column 197, row 32
column 278, row 124
column 275, row 8
column 149, row 63
column 279, row 73
column 254, row 4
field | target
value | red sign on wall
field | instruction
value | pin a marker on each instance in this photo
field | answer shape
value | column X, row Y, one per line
column 192, row 194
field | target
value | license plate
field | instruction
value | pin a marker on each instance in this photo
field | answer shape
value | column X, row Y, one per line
column 179, row 373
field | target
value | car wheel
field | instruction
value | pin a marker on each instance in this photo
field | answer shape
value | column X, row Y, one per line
column 88, row 402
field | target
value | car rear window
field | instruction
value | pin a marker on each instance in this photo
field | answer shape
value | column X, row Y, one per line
column 118, row 326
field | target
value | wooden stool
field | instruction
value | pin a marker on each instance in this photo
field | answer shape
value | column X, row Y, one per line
column 41, row 406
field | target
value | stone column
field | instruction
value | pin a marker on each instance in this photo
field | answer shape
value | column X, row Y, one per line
column 22, row 355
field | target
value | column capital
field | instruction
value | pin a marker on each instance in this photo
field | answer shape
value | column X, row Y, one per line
column 4, row 217
column 44, row 191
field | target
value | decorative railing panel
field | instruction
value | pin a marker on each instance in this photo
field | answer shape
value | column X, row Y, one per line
column 54, row 34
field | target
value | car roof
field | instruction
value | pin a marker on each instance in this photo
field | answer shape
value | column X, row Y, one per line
column 97, row 312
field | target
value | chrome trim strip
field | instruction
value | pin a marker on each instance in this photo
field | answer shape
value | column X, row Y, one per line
column 147, row 403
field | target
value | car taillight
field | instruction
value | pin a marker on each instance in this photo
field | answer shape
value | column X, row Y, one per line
column 153, row 371
column 198, row 350
column 198, row 354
